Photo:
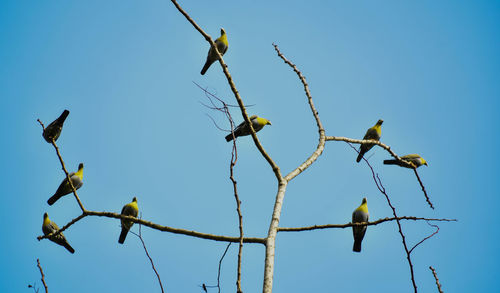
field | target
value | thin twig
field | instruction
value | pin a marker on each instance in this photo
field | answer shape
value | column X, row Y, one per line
column 423, row 188
column 147, row 254
column 234, row 158
column 156, row 227
column 342, row 226
column 220, row 264
column 437, row 280
column 64, row 169
column 421, row 241
column 43, row 276
column 321, row 144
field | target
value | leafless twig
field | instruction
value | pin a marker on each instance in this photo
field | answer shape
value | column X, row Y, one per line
column 381, row 188
column 421, row 241
column 329, row 226
column 234, row 158
column 43, row 276
column 156, row 227
column 437, row 280
column 147, row 254
column 388, row 149
column 220, row 265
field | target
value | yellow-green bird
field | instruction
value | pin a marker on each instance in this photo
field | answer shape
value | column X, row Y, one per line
column 65, row 188
column 222, row 45
column 130, row 209
column 54, row 129
column 372, row 133
column 415, row 159
column 50, row 227
column 244, row 129
column 359, row 215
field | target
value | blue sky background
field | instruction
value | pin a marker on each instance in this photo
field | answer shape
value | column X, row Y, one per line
column 125, row 70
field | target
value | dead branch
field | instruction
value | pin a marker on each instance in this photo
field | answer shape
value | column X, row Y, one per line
column 155, row 226
column 230, row 81
column 342, row 226
column 388, row 149
column 147, row 254
column 64, row 169
column 43, row 276
column 381, row 188
column 437, row 280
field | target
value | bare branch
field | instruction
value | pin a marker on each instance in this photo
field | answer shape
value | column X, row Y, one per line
column 321, row 130
column 147, row 254
column 64, row 169
column 230, row 81
column 234, row 158
column 381, row 188
column 156, row 227
column 220, row 264
column 423, row 188
column 388, row 149
column 437, row 280
column 43, row 276
column 342, row 226
column 421, row 241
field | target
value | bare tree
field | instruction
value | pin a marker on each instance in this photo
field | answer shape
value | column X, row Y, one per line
column 282, row 183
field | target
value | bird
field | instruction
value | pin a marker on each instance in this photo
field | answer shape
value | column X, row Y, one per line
column 415, row 159
column 244, row 129
column 130, row 209
column 51, row 227
column 372, row 133
column 65, row 188
column 222, row 46
column 358, row 216
column 54, row 129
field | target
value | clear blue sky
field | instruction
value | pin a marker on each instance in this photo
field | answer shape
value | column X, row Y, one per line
column 125, row 70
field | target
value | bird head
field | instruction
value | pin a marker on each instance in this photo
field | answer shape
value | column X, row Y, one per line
column 268, row 122
column 222, row 31
column 80, row 166
column 45, row 216
column 424, row 162
column 134, row 199
column 379, row 122
column 364, row 200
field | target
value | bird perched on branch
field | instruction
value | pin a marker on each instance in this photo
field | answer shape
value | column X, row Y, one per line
column 130, row 209
column 244, row 129
column 372, row 133
column 222, row 46
column 358, row 216
column 54, row 129
column 65, row 188
column 415, row 159
column 50, row 227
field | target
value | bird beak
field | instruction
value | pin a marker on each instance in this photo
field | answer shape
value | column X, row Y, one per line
column 269, row 122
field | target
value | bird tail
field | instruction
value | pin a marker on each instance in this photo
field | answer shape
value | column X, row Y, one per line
column 68, row 247
column 391, row 162
column 360, row 156
column 205, row 67
column 53, row 199
column 123, row 235
column 63, row 116
column 357, row 246
column 229, row 137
